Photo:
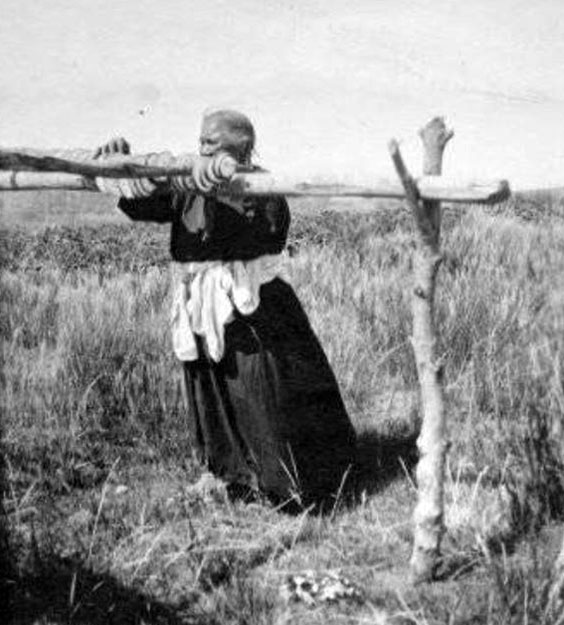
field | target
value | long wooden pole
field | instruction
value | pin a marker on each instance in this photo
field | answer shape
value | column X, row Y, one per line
column 429, row 510
column 116, row 166
column 31, row 169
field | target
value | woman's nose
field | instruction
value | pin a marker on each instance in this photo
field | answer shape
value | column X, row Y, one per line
column 207, row 150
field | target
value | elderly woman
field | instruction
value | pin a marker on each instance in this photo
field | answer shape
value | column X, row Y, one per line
column 264, row 408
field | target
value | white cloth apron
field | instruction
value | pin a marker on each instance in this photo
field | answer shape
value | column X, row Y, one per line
column 206, row 294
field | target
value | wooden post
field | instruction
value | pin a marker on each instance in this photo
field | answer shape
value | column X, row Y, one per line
column 428, row 514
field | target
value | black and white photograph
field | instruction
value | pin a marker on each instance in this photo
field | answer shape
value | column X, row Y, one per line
column 282, row 312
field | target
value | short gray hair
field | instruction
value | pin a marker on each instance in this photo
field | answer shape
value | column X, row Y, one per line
column 239, row 133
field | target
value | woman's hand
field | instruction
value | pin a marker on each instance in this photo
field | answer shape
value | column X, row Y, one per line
column 207, row 173
column 129, row 188
column 117, row 145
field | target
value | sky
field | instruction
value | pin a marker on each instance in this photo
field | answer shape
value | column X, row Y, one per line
column 327, row 83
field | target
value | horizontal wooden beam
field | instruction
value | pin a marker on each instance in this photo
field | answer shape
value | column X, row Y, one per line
column 430, row 187
column 32, row 169
column 38, row 180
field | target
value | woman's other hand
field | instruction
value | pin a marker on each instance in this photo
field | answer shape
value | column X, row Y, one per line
column 117, row 145
column 128, row 188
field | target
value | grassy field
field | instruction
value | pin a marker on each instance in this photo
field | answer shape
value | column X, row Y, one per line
column 104, row 522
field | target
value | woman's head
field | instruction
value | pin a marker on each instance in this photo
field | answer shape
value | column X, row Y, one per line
column 228, row 131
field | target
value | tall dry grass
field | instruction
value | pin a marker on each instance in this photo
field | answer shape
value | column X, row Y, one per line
column 89, row 380
column 88, row 350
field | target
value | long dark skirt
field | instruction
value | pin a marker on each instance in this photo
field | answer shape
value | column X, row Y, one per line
column 270, row 415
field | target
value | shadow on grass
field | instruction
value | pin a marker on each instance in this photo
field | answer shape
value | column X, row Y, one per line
column 381, row 460
column 62, row 591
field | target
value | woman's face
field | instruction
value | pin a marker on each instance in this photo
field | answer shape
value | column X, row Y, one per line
column 211, row 138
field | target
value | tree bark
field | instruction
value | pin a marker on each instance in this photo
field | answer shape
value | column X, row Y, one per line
column 80, row 162
column 429, row 510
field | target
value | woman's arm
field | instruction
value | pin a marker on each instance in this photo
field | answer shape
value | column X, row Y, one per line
column 266, row 229
column 157, row 208
column 270, row 224
column 260, row 228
